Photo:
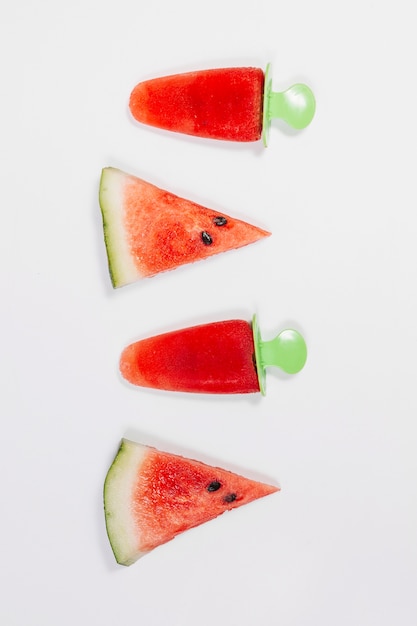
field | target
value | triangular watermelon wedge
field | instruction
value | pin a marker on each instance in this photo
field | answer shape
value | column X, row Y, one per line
column 148, row 230
column 151, row 496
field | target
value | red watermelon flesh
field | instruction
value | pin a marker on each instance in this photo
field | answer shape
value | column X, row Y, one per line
column 209, row 358
column 224, row 103
column 151, row 496
column 148, row 230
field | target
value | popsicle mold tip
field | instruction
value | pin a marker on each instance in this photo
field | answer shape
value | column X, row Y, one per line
column 296, row 106
column 287, row 350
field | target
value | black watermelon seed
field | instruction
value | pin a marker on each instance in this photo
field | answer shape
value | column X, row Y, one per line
column 207, row 240
column 214, row 486
column 231, row 497
column 220, row 220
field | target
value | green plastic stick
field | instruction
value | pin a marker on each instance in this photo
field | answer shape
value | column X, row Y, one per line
column 296, row 106
column 288, row 351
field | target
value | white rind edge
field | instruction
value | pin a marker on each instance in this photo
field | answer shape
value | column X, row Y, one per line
column 122, row 267
column 120, row 481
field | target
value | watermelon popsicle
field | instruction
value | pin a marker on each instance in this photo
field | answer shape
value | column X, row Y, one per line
column 226, row 357
column 233, row 104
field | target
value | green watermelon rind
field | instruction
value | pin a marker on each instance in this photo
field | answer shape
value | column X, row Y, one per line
column 122, row 268
column 118, row 487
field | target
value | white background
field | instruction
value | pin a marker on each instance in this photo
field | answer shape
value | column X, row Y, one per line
column 338, row 544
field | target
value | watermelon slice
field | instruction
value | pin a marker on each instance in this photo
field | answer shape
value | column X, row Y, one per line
column 151, row 496
column 148, row 230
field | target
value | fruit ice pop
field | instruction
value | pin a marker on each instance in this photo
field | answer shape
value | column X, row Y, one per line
column 226, row 357
column 233, row 104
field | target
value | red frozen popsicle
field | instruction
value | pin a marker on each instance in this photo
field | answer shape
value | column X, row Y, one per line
column 233, row 104
column 223, row 357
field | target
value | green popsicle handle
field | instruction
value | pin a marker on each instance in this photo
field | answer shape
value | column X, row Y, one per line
column 288, row 351
column 296, row 106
